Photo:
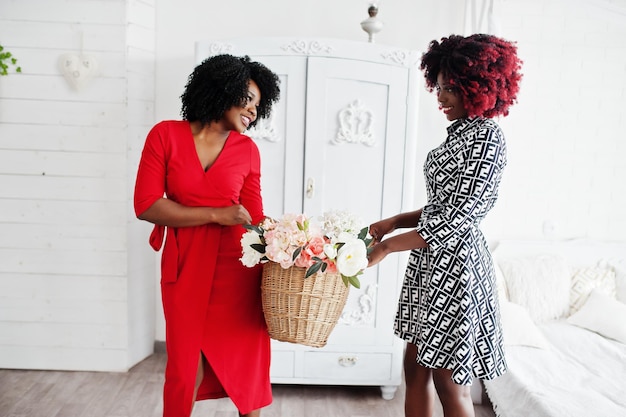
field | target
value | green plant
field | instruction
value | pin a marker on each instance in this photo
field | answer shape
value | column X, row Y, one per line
column 6, row 60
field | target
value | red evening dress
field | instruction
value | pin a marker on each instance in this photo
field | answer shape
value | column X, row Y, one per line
column 212, row 303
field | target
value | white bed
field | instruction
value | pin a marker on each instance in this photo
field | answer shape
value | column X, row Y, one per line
column 566, row 348
column 581, row 374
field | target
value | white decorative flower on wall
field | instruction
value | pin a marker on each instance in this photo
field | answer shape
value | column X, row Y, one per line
column 264, row 130
column 355, row 125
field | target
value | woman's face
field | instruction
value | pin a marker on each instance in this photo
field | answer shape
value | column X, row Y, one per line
column 450, row 101
column 239, row 118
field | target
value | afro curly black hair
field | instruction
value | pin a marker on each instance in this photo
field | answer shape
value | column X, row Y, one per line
column 221, row 82
column 483, row 69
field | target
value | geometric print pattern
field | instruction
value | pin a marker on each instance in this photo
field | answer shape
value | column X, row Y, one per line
column 448, row 305
column 585, row 280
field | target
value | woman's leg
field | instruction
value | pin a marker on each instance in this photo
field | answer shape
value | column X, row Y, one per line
column 255, row 413
column 419, row 396
column 455, row 399
column 199, row 378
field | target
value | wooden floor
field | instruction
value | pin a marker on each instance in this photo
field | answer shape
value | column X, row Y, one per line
column 137, row 393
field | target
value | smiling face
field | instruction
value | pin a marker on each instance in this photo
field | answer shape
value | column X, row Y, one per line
column 239, row 118
column 450, row 101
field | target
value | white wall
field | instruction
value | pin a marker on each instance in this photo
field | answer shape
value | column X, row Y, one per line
column 76, row 278
column 566, row 136
column 73, row 228
column 408, row 24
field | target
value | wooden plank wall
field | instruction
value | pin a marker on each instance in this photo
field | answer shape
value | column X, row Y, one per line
column 76, row 275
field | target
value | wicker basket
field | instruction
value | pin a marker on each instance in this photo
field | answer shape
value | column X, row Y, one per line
column 301, row 310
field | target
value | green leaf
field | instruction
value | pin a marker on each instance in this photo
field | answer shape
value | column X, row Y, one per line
column 6, row 59
column 355, row 281
column 313, row 269
column 258, row 247
column 296, row 253
column 254, row 228
column 363, row 233
column 345, row 280
column 303, row 226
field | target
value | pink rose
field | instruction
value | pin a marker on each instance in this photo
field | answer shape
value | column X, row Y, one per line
column 316, row 247
column 304, row 260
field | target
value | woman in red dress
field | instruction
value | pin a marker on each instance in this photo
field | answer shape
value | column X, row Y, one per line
column 199, row 181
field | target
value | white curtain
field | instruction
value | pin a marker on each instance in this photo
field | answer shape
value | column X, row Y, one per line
column 481, row 16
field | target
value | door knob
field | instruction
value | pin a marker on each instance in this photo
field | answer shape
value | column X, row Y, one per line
column 347, row 361
column 310, row 187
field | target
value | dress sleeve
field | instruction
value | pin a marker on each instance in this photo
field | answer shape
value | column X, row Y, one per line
column 250, row 196
column 150, row 181
column 474, row 194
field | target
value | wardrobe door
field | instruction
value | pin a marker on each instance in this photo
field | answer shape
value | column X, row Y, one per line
column 354, row 160
column 280, row 138
column 340, row 138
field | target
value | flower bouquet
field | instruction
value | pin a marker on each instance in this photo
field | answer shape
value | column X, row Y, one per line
column 308, row 268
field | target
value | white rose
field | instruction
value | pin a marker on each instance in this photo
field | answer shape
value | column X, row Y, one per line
column 250, row 256
column 346, row 237
column 330, row 251
column 352, row 258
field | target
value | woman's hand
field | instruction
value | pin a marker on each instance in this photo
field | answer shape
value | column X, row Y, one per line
column 379, row 229
column 398, row 243
column 377, row 254
column 230, row 216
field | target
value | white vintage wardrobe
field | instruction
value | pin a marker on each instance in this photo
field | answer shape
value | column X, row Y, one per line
column 342, row 137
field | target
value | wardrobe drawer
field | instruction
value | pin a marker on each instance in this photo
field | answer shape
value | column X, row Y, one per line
column 282, row 364
column 345, row 365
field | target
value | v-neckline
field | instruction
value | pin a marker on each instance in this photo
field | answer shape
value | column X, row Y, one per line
column 217, row 158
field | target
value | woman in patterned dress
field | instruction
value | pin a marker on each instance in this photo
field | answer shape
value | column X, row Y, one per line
column 198, row 181
column 448, row 310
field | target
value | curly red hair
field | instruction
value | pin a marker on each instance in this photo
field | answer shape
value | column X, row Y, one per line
column 483, row 69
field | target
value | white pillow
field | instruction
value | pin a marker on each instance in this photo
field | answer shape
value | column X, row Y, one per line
column 503, row 293
column 586, row 280
column 603, row 315
column 620, row 284
column 518, row 328
column 541, row 283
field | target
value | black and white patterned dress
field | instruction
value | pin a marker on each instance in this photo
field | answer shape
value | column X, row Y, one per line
column 448, row 305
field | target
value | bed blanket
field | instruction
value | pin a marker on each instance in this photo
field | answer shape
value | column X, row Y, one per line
column 581, row 374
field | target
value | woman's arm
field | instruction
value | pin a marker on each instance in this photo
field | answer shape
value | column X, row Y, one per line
column 398, row 243
column 166, row 212
column 400, row 221
column 149, row 201
column 476, row 187
column 409, row 219
column 250, row 194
